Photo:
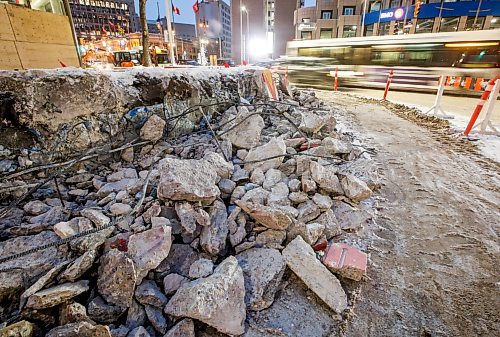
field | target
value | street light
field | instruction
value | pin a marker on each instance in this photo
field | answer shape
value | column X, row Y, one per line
column 242, row 54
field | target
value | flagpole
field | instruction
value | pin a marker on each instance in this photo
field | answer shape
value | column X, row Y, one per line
column 170, row 35
column 175, row 48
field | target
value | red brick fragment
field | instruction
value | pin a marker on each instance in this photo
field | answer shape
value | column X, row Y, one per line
column 346, row 261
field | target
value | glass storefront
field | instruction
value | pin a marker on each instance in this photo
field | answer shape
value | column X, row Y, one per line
column 383, row 28
column 349, row 31
column 325, row 33
column 449, row 24
column 470, row 25
column 424, row 25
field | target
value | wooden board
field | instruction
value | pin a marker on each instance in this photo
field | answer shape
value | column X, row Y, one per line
column 40, row 27
column 8, row 56
column 43, row 55
column 5, row 28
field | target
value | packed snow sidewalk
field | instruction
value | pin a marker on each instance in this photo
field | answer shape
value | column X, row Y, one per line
column 190, row 226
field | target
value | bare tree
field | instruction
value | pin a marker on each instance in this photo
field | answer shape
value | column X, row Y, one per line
column 145, row 34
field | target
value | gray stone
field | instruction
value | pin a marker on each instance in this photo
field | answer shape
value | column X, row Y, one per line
column 191, row 180
column 350, row 218
column 187, row 215
column 51, row 217
column 213, row 237
column 153, row 128
column 326, row 178
column 270, row 239
column 257, row 176
column 120, row 209
column 36, row 207
column 126, row 184
column 246, row 134
column 227, row 186
column 238, row 193
column 184, row 328
column 308, row 211
column 78, row 267
column 300, row 258
column 217, row 300
column 128, row 154
column 256, row 196
column 294, row 185
column 97, row 217
column 311, row 123
column 241, row 154
column 239, row 174
column 155, row 316
column 19, row 329
column 148, row 293
column 79, row 329
column 149, row 248
column 329, row 220
column 271, row 217
column 223, row 168
column 354, row 188
column 279, row 195
column 72, row 312
column 122, row 174
column 117, row 277
column 298, row 197
column 336, row 146
column 56, row 295
column 139, row 332
column 262, row 269
column 275, row 147
column 201, row 268
column 323, row 201
column 136, row 315
column 273, row 177
column 80, row 178
column 308, row 185
column 314, row 231
column 179, row 260
column 102, row 312
column 172, row 282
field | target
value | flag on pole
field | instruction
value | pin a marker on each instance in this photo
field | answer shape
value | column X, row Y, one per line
column 175, row 10
column 196, row 7
column 111, row 25
column 104, row 31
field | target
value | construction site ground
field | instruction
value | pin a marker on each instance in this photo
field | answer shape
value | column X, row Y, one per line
column 434, row 249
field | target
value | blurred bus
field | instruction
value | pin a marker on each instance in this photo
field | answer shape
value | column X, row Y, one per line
column 417, row 59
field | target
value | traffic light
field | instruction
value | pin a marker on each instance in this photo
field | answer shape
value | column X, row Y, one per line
column 417, row 9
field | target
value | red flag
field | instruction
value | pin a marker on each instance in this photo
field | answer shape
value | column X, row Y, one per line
column 175, row 10
column 196, row 7
column 112, row 25
column 104, row 31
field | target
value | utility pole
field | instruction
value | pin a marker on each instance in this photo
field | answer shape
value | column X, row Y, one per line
column 170, row 33
column 363, row 19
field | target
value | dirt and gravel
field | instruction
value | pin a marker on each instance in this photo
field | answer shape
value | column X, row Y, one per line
column 434, row 252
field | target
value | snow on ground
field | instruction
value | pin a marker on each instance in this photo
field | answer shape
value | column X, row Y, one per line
column 489, row 144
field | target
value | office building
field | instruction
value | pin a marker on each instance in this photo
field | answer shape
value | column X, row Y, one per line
column 213, row 22
column 264, row 26
column 94, row 19
column 354, row 18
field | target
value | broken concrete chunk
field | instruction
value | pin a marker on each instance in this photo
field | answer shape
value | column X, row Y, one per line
column 245, row 130
column 139, row 332
column 262, row 269
column 172, row 282
column 272, row 177
column 117, row 277
column 311, row 123
column 153, row 128
column 329, row 220
column 184, row 328
column 191, row 180
column 213, row 237
column 102, row 312
column 256, row 157
column 56, row 295
column 323, row 201
column 19, row 329
column 149, row 248
column 308, row 211
column 326, row 178
column 148, row 293
column 300, row 258
column 96, row 216
column 201, row 268
column 271, row 217
column 223, row 168
column 354, row 188
column 36, row 207
column 72, row 227
column 80, row 329
column 78, row 267
column 346, row 261
column 136, row 315
column 336, row 146
column 217, row 300
column 257, row 176
column 118, row 209
column 72, row 312
column 155, row 316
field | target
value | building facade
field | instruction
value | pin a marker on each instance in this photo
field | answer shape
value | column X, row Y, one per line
column 355, row 18
column 95, row 19
column 213, row 22
column 261, row 28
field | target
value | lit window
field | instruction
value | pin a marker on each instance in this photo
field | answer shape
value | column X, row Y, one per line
column 326, row 15
column 325, row 33
column 349, row 10
column 449, row 24
column 349, row 31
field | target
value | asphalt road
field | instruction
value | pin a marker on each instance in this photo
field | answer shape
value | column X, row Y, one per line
column 453, row 105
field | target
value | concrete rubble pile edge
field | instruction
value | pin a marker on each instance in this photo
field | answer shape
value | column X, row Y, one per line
column 199, row 215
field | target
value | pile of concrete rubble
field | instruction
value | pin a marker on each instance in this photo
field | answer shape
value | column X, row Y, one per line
column 188, row 235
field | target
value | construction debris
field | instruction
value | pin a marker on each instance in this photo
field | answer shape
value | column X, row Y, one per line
column 183, row 224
